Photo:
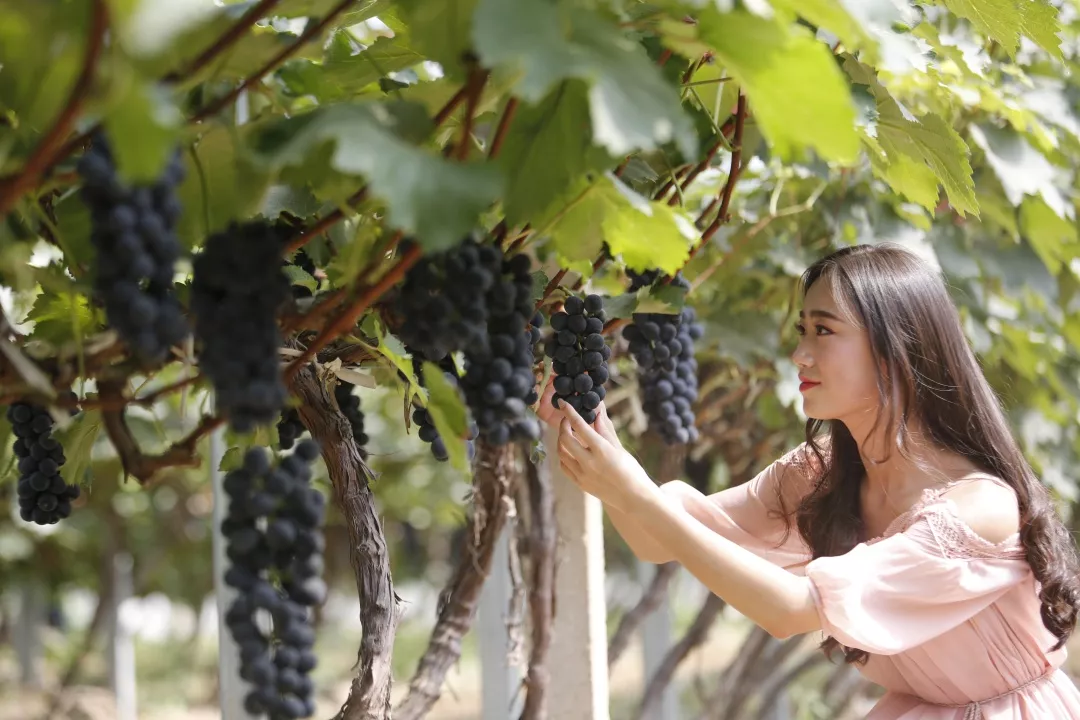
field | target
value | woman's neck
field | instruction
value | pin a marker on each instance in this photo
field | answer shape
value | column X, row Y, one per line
column 918, row 464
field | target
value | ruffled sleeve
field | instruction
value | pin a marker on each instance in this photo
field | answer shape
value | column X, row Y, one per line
column 888, row 596
column 752, row 514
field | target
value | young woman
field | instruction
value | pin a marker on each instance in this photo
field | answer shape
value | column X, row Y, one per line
column 912, row 534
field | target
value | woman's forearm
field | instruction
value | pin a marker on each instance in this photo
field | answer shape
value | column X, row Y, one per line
column 775, row 599
column 644, row 546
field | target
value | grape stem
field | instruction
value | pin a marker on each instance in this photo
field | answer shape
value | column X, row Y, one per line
column 502, row 128
column 225, row 41
column 46, row 153
column 313, row 30
column 474, row 88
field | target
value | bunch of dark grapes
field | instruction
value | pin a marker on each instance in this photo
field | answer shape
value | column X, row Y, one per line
column 444, row 300
column 350, row 408
column 236, row 290
column 499, row 380
column 427, row 431
column 44, row 497
column 273, row 529
column 289, row 428
column 579, row 355
column 132, row 231
column 663, row 346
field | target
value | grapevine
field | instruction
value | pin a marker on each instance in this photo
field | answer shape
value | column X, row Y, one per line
column 579, row 355
column 44, row 497
column 289, row 428
column 237, row 288
column 273, row 531
column 427, row 431
column 499, row 379
column 132, row 231
column 663, row 347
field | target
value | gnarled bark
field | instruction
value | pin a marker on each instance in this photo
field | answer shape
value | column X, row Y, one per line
column 632, row 620
column 369, row 697
column 492, row 481
column 543, row 539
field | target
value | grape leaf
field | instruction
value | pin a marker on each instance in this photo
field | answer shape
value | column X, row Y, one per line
column 1022, row 169
column 448, row 414
column 143, row 130
column 1052, row 238
column 220, row 184
column 545, row 150
column 358, row 12
column 1006, row 20
column 78, row 439
column 797, row 93
column 644, row 233
column 61, row 316
column 928, row 141
column 344, row 75
column 631, row 104
column 440, row 28
column 1040, row 23
column 299, row 276
column 436, row 200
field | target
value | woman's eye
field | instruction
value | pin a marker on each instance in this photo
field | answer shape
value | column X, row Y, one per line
column 800, row 328
column 822, row 330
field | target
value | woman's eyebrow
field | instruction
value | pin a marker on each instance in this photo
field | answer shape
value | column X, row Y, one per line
column 823, row 314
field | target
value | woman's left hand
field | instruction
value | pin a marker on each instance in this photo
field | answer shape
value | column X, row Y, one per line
column 599, row 466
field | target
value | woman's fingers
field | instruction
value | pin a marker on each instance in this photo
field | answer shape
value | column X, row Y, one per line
column 584, row 432
column 605, row 427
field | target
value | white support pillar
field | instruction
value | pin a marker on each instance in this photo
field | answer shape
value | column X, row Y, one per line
column 578, row 655
column 656, row 635
column 26, row 633
column 232, row 688
column 499, row 680
column 121, row 643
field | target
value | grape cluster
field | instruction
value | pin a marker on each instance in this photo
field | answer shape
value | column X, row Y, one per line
column 289, row 428
column 444, row 300
column 427, row 431
column 663, row 346
column 499, row 381
column 44, row 497
column 273, row 527
column 579, row 355
column 236, row 290
column 132, row 231
column 350, row 408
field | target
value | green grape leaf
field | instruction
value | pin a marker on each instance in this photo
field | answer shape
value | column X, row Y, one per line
column 796, row 92
column 1052, row 238
column 428, row 196
column 645, row 234
column 440, row 28
column 1006, row 20
column 220, row 184
column 545, row 150
column 143, row 129
column 448, row 414
column 1021, row 169
column 78, row 439
column 631, row 104
column 60, row 317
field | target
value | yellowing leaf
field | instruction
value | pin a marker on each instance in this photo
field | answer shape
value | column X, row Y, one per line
column 448, row 414
column 797, row 93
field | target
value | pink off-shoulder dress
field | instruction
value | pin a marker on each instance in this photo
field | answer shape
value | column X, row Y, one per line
column 951, row 620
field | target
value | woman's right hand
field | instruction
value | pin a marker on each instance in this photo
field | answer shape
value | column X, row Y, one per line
column 548, row 414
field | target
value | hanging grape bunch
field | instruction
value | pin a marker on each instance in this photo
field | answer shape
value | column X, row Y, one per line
column 663, row 347
column 132, row 231
column 350, row 408
column 289, row 428
column 499, row 379
column 443, row 301
column 273, row 530
column 237, row 289
column 44, row 497
column 579, row 355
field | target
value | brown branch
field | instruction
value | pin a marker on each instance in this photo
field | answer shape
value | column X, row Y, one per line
column 450, row 106
column 349, row 316
column 226, row 40
column 474, row 88
column 136, row 463
column 733, row 176
column 46, row 152
column 775, row 684
column 632, row 620
column 695, row 636
column 311, row 31
column 543, row 541
column 550, row 288
column 504, row 125
column 369, row 696
column 492, row 490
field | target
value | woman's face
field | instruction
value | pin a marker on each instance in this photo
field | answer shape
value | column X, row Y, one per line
column 837, row 373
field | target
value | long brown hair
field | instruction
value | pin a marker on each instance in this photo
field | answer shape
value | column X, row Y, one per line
column 931, row 378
